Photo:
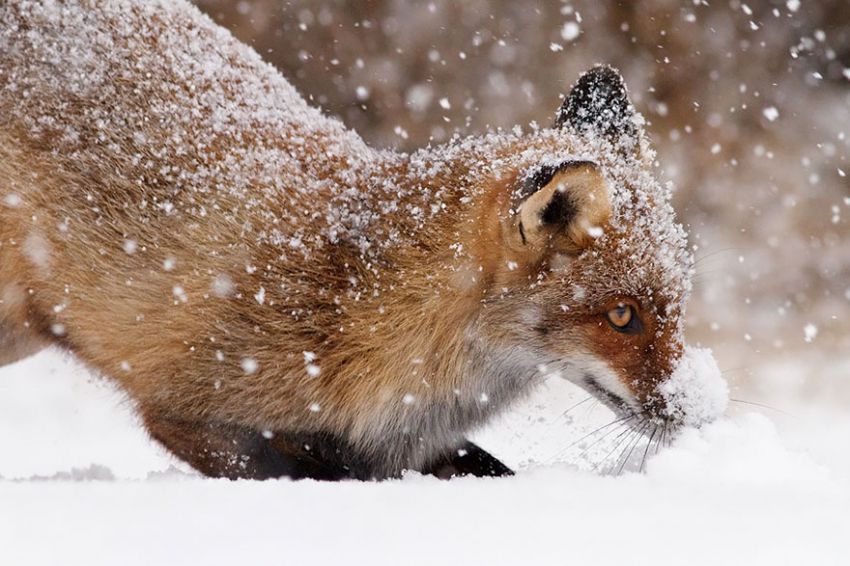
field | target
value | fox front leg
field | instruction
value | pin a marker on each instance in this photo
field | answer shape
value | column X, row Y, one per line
column 468, row 460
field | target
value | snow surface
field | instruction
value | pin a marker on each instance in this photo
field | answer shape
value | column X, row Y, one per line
column 83, row 485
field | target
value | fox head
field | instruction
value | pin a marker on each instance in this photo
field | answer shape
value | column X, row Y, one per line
column 592, row 272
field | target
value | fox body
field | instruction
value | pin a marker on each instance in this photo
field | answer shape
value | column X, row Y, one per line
column 277, row 297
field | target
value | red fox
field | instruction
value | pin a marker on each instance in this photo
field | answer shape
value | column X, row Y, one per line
column 278, row 298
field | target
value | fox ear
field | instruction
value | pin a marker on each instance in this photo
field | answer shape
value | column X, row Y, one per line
column 599, row 102
column 560, row 207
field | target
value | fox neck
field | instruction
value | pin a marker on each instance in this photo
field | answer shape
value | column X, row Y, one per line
column 440, row 374
column 444, row 378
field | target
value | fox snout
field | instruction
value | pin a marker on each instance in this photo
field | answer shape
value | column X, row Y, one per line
column 694, row 394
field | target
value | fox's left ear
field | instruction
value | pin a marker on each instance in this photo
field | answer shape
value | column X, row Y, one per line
column 599, row 103
column 561, row 207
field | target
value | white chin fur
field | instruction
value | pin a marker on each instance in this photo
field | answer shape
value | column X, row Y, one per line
column 595, row 376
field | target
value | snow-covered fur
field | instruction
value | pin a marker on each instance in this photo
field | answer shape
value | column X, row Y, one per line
column 279, row 298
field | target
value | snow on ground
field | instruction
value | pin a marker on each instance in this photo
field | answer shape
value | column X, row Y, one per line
column 83, row 485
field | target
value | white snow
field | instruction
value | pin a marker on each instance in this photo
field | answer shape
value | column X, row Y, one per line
column 12, row 200
column 83, row 485
column 696, row 392
column 771, row 113
column 222, row 286
column 810, row 332
column 179, row 294
column 570, row 31
column 37, row 249
column 249, row 365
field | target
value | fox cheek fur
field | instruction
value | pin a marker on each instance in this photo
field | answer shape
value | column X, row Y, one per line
column 279, row 299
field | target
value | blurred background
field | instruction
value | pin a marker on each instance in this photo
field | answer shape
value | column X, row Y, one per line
column 748, row 105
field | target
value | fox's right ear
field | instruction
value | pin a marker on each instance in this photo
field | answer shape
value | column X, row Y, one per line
column 560, row 207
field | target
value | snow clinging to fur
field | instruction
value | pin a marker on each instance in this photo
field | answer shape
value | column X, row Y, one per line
column 695, row 393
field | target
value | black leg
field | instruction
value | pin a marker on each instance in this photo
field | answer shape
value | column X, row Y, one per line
column 468, row 460
column 236, row 452
column 231, row 451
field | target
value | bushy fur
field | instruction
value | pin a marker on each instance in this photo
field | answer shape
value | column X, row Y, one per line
column 263, row 284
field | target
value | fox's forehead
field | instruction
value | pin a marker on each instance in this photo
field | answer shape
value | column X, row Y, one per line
column 645, row 237
column 632, row 263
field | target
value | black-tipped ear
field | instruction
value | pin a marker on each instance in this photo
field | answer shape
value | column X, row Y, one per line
column 599, row 102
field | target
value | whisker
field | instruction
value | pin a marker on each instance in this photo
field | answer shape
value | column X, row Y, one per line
column 701, row 259
column 601, row 438
column 670, row 437
column 762, row 405
column 590, row 408
column 648, row 445
column 660, row 441
column 703, row 275
column 621, row 457
column 634, row 444
column 622, row 420
column 627, row 437
column 585, row 400
column 621, row 437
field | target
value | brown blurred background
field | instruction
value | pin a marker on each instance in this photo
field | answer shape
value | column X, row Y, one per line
column 748, row 105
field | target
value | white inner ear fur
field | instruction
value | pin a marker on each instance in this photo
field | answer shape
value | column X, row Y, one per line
column 587, row 192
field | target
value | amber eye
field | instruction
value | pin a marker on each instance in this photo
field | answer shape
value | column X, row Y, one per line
column 624, row 319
